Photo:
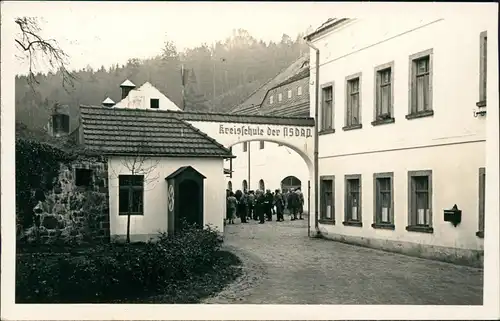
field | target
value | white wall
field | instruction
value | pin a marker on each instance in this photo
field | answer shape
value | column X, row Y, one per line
column 360, row 47
column 140, row 98
column 155, row 195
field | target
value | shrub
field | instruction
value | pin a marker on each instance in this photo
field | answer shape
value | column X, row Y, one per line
column 111, row 272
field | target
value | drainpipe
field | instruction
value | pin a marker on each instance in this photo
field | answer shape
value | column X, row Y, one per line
column 316, row 140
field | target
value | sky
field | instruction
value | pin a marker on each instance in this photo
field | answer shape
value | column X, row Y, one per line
column 105, row 33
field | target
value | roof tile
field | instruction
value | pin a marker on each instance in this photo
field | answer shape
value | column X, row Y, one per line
column 114, row 131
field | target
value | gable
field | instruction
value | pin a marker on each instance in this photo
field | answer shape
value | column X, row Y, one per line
column 140, row 98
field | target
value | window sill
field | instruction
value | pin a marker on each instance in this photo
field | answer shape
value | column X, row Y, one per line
column 351, row 127
column 384, row 226
column 326, row 221
column 383, row 121
column 481, row 103
column 353, row 223
column 480, row 234
column 427, row 113
column 326, row 131
column 421, row 229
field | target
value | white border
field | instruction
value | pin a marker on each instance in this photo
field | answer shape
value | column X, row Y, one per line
column 490, row 309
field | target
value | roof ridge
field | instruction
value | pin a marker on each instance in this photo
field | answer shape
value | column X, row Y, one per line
column 183, row 112
column 292, row 79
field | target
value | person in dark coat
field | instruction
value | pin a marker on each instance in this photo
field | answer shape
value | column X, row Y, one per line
column 241, row 210
column 280, row 205
column 293, row 202
column 260, row 206
column 269, row 200
column 251, row 205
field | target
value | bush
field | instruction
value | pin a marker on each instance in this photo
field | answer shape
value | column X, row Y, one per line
column 111, row 272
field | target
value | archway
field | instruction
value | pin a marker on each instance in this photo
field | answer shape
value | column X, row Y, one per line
column 244, row 185
column 289, row 183
column 230, row 186
column 291, row 167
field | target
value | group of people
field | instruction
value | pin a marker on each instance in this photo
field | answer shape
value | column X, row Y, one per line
column 261, row 206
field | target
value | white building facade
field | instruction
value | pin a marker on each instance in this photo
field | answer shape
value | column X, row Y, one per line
column 402, row 134
column 262, row 165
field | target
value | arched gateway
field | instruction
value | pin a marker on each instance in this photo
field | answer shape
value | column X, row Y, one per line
column 297, row 133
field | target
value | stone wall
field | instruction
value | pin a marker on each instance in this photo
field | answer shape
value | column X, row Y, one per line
column 76, row 210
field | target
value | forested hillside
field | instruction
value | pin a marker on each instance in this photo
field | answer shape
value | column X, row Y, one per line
column 220, row 77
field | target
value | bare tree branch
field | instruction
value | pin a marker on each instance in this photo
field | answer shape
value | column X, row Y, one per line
column 32, row 45
column 137, row 164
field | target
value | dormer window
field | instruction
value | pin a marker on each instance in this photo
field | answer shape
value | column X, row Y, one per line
column 299, row 91
column 271, row 100
column 280, row 97
column 155, row 103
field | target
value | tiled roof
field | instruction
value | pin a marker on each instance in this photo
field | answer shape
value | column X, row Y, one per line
column 252, row 103
column 302, row 74
column 300, row 110
column 111, row 131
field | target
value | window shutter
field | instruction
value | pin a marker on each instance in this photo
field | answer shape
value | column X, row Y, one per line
column 482, row 66
column 413, row 87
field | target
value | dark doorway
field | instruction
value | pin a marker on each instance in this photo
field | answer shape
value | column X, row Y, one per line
column 289, row 183
column 189, row 207
column 185, row 198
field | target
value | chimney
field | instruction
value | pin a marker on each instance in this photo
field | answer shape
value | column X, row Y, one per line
column 60, row 124
column 126, row 87
column 108, row 102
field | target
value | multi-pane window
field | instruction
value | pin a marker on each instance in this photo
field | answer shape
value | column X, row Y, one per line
column 384, row 94
column 289, row 93
column 482, row 203
column 299, row 91
column 131, row 194
column 483, row 47
column 327, row 199
column 261, row 145
column 245, row 146
column 353, row 198
column 383, row 212
column 353, row 102
column 327, row 108
column 420, row 198
column 280, row 97
column 421, row 83
column 271, row 100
